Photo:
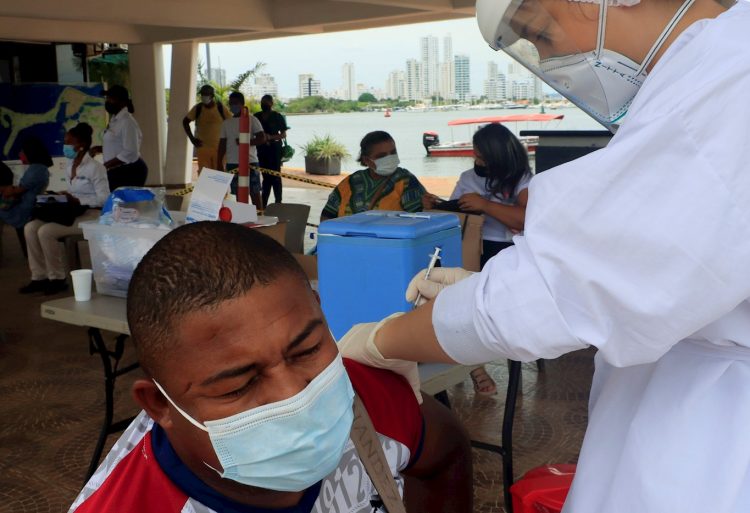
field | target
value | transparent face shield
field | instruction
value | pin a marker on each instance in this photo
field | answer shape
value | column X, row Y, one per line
column 570, row 57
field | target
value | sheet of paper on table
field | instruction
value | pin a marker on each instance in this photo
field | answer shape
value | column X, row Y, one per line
column 208, row 195
column 242, row 212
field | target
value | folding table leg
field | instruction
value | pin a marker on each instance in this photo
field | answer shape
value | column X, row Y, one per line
column 97, row 345
column 110, row 361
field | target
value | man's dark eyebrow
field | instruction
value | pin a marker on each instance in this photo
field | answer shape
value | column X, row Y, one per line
column 229, row 373
column 304, row 333
column 239, row 371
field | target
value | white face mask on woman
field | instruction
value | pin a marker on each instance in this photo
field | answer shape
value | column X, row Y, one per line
column 386, row 166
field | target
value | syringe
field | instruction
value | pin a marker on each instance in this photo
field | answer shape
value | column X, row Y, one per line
column 433, row 261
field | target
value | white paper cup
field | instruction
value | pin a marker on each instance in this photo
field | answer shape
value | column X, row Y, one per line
column 82, row 284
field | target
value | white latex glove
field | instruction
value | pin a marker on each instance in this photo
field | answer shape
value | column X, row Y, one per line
column 440, row 277
column 359, row 345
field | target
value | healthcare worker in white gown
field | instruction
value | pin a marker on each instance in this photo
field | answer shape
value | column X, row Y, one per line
column 641, row 249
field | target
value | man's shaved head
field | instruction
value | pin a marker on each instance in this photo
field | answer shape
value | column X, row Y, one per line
column 196, row 267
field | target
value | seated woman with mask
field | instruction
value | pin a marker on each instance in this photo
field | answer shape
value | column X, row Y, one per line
column 496, row 187
column 382, row 186
column 88, row 189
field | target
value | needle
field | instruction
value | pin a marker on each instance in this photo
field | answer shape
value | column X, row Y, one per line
column 433, row 261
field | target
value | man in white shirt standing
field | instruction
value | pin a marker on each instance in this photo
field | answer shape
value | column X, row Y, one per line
column 229, row 145
column 122, row 141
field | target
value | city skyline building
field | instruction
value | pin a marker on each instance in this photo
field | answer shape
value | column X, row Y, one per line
column 448, row 80
column 261, row 85
column 218, row 75
column 495, row 85
column 349, row 83
column 538, row 88
column 421, row 80
column 414, row 80
column 515, row 69
column 430, row 57
column 522, row 89
column 395, row 86
column 448, row 48
column 308, row 85
column 462, row 73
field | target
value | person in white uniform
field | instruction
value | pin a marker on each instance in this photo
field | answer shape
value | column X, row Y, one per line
column 640, row 250
column 87, row 191
column 122, row 142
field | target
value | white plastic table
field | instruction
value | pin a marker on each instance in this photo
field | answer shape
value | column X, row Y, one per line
column 101, row 313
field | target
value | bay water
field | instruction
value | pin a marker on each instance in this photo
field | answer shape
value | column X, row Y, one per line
column 407, row 128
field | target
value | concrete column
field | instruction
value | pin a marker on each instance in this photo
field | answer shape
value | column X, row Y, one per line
column 179, row 169
column 147, row 84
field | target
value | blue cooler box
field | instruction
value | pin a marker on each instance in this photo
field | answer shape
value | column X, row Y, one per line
column 366, row 261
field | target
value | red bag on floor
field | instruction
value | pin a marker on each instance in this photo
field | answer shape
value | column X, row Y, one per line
column 543, row 489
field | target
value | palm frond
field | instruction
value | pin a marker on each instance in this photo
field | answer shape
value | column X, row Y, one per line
column 242, row 77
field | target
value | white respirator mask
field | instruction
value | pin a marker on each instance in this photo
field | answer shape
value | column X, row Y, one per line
column 618, row 77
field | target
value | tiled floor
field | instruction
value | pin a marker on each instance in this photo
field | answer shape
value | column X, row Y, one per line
column 51, row 405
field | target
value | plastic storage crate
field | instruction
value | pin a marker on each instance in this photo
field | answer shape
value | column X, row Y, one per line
column 115, row 253
column 366, row 261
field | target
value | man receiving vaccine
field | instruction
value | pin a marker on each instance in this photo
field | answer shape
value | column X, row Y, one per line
column 247, row 404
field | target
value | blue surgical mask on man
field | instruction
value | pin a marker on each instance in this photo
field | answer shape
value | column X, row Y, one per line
column 69, row 151
column 236, row 109
column 290, row 445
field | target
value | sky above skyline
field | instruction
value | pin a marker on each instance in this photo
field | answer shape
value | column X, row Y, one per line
column 374, row 52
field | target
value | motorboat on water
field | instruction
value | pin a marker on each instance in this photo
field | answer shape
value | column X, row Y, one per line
column 434, row 148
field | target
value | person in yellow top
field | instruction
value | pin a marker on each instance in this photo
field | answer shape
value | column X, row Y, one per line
column 208, row 116
column 382, row 186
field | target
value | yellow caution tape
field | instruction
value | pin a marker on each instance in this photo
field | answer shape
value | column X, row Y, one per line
column 295, row 178
column 187, row 190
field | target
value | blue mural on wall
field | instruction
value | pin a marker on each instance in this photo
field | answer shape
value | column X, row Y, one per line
column 47, row 111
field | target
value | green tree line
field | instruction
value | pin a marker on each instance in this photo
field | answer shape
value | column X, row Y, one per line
column 319, row 104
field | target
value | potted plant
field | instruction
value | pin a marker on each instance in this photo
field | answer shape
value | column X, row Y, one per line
column 323, row 156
